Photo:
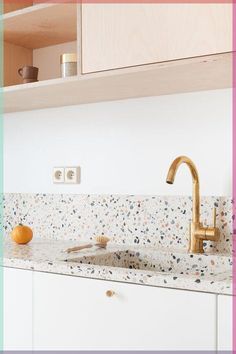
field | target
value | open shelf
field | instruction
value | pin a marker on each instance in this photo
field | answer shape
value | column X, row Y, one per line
column 41, row 25
column 187, row 75
column 37, row 35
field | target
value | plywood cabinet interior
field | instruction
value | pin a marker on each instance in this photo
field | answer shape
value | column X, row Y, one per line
column 41, row 25
column 15, row 57
column 9, row 5
column 121, row 35
column 34, row 28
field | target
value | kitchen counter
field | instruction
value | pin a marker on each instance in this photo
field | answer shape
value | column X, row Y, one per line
column 177, row 269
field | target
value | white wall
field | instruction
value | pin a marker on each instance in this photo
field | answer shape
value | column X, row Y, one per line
column 124, row 146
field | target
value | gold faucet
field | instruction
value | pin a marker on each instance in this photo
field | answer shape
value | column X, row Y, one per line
column 198, row 233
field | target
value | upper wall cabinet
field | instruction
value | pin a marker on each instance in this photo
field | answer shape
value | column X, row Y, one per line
column 114, row 36
column 123, row 35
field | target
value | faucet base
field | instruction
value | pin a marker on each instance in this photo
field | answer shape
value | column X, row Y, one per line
column 199, row 234
column 195, row 244
column 196, row 247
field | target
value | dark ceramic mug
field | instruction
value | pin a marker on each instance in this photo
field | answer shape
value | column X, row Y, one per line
column 29, row 73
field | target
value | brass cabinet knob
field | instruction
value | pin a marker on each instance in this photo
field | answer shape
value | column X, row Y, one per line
column 110, row 293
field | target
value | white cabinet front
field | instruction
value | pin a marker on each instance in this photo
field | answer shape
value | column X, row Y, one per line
column 17, row 309
column 72, row 313
column 225, row 322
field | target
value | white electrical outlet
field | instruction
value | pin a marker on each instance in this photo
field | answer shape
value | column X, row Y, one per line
column 58, row 175
column 72, row 175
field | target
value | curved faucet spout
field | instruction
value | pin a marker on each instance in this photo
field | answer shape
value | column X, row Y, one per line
column 175, row 165
column 196, row 193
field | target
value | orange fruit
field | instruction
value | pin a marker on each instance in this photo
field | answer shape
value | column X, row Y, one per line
column 22, row 234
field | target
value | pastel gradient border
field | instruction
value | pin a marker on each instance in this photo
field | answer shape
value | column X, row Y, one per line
column 234, row 174
column 233, row 2
column 1, row 176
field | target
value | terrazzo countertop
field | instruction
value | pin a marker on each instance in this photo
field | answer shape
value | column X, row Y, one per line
column 168, row 268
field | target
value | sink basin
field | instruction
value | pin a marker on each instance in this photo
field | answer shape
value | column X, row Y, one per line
column 160, row 261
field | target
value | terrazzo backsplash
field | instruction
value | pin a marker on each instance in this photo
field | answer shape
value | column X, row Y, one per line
column 156, row 221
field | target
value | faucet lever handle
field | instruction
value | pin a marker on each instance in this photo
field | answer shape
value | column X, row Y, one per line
column 214, row 217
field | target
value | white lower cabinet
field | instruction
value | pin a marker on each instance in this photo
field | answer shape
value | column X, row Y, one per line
column 47, row 311
column 225, row 322
column 72, row 313
column 17, row 309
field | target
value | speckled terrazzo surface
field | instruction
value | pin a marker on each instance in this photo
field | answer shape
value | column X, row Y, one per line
column 149, row 239
column 156, row 221
column 132, row 264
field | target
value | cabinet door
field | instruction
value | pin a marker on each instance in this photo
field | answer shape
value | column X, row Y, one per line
column 122, row 35
column 72, row 313
column 17, row 307
column 225, row 322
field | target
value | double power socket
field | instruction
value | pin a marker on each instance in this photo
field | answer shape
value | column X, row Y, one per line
column 66, row 175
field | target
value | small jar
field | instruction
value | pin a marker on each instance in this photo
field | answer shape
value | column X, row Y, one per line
column 68, row 64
